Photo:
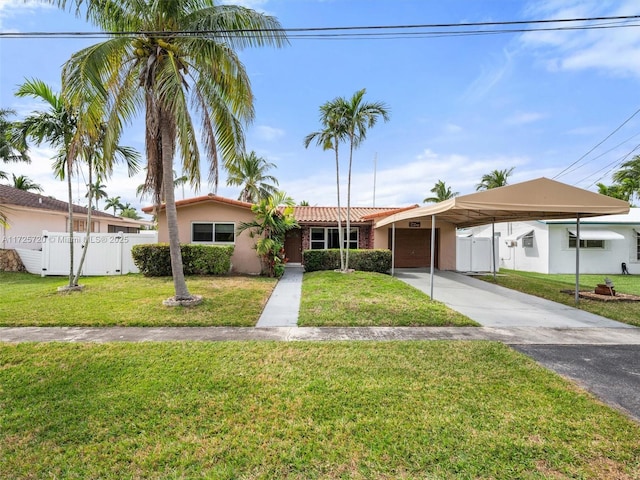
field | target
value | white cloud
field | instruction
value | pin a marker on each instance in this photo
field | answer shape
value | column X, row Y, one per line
column 452, row 128
column 489, row 77
column 525, row 118
column 614, row 50
column 9, row 8
column 269, row 134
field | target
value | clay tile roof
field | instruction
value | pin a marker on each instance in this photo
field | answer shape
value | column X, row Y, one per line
column 329, row 214
column 205, row 198
column 22, row 198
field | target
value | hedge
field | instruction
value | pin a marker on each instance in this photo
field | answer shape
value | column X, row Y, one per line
column 153, row 260
column 378, row 260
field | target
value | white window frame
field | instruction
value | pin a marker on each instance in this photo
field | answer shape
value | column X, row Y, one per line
column 591, row 244
column 323, row 244
column 213, row 233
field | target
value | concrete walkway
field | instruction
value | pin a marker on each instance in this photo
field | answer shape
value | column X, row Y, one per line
column 283, row 306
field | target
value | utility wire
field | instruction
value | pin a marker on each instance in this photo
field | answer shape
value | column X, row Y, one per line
column 322, row 32
column 564, row 172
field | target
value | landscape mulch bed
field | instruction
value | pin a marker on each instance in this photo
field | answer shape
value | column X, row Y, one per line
column 618, row 297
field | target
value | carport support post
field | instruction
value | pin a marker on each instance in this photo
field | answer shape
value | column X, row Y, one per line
column 393, row 247
column 433, row 253
column 577, row 293
column 493, row 248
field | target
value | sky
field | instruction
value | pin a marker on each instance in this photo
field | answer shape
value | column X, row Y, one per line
column 460, row 106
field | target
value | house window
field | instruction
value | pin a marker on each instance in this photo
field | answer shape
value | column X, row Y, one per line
column 212, row 232
column 527, row 240
column 324, row 238
column 81, row 226
column 585, row 243
column 637, row 245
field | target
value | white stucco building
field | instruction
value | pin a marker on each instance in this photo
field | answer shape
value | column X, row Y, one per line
column 549, row 246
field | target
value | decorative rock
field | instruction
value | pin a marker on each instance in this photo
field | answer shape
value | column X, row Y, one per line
column 189, row 302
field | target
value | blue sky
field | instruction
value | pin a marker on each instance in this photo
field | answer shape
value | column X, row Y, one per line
column 460, row 106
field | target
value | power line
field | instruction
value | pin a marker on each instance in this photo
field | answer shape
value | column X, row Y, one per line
column 373, row 30
column 563, row 172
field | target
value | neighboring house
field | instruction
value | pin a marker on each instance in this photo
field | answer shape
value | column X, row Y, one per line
column 214, row 220
column 29, row 214
column 550, row 246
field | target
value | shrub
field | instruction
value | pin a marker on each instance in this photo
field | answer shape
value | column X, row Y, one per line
column 153, row 260
column 378, row 260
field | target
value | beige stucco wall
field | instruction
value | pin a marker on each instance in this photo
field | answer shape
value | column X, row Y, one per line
column 447, row 252
column 244, row 259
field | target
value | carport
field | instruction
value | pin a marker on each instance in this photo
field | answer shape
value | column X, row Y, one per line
column 538, row 199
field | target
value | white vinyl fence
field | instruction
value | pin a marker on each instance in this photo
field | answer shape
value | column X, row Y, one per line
column 108, row 254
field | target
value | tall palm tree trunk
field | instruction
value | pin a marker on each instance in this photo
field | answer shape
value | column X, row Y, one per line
column 179, row 283
column 70, row 195
column 87, row 238
column 346, row 261
column 340, row 236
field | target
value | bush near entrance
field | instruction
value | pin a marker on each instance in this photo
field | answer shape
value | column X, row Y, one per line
column 377, row 260
column 154, row 260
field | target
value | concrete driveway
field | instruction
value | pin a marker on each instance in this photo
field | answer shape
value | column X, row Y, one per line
column 494, row 306
column 607, row 364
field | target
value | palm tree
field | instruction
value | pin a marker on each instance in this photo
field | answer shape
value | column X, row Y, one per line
column 22, row 182
column 114, row 203
column 56, row 126
column 167, row 72
column 441, row 193
column 273, row 219
column 629, row 177
column 494, row 179
column 249, row 172
column 329, row 139
column 614, row 191
column 97, row 191
column 13, row 147
column 357, row 117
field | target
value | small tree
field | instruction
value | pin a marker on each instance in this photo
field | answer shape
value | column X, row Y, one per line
column 441, row 193
column 274, row 218
column 495, row 179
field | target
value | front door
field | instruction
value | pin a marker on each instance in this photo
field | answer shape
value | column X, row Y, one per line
column 293, row 246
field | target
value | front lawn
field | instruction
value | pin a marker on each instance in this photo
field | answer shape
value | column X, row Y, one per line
column 130, row 300
column 551, row 287
column 411, row 410
column 370, row 299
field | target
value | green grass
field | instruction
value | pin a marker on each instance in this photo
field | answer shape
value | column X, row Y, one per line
column 364, row 299
column 444, row 410
column 130, row 300
column 551, row 286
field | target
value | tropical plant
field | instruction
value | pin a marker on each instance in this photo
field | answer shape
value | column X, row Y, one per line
column 441, row 193
column 495, row 179
column 628, row 177
column 249, row 171
column 355, row 117
column 97, row 191
column 22, row 182
column 130, row 212
column 13, row 147
column 303, row 203
column 614, row 191
column 329, row 139
column 166, row 70
column 273, row 219
column 56, row 126
column 114, row 203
